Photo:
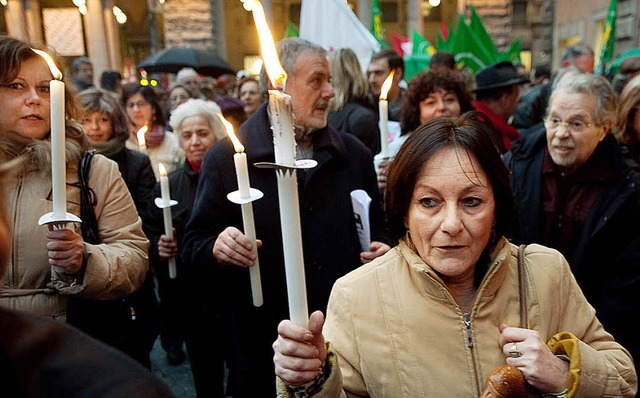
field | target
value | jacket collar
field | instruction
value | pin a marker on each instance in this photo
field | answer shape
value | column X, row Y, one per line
column 253, row 135
column 498, row 269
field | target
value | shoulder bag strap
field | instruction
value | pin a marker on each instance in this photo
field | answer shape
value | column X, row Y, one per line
column 522, row 288
column 89, row 225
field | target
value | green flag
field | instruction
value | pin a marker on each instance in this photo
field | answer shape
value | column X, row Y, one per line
column 468, row 50
column 291, row 30
column 421, row 45
column 482, row 36
column 608, row 39
column 513, row 52
column 376, row 23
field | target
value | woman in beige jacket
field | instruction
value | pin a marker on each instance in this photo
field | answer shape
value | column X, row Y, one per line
column 435, row 315
column 46, row 265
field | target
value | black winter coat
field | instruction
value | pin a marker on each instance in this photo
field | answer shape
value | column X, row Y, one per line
column 361, row 121
column 329, row 237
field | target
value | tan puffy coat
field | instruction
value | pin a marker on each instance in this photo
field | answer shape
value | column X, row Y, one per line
column 114, row 268
column 397, row 331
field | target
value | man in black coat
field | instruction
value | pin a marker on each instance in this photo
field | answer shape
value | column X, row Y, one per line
column 215, row 246
column 576, row 192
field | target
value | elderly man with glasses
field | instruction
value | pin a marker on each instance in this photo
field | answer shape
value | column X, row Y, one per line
column 576, row 191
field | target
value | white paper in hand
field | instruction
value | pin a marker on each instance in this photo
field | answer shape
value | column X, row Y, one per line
column 360, row 201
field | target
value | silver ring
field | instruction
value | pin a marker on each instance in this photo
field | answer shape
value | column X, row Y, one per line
column 513, row 352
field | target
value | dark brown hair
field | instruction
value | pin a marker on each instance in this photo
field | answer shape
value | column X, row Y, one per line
column 14, row 52
column 150, row 96
column 467, row 134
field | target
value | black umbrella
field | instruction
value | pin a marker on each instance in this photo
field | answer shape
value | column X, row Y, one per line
column 171, row 60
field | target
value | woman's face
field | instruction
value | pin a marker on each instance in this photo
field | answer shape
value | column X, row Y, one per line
column 451, row 214
column 24, row 102
column 197, row 137
column 178, row 96
column 250, row 97
column 140, row 111
column 439, row 103
column 97, row 126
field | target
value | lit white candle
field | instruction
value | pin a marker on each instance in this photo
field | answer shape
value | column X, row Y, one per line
column 142, row 143
column 383, row 110
column 281, row 118
column 166, row 212
column 58, row 155
column 248, row 222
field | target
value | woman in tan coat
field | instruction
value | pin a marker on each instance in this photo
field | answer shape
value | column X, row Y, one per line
column 46, row 265
column 436, row 314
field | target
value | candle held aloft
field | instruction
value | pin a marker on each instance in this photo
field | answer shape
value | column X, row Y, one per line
column 166, row 213
column 383, row 111
column 58, row 154
column 281, row 119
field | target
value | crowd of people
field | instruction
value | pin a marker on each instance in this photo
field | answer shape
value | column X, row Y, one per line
column 497, row 229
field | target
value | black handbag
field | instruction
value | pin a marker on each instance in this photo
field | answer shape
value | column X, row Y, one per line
column 131, row 323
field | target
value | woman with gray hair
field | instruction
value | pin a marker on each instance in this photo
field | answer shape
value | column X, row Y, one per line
column 198, row 126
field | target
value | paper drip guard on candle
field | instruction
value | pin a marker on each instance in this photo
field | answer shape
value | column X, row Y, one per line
column 254, row 194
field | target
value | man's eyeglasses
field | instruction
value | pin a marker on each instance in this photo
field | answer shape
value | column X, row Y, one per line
column 576, row 126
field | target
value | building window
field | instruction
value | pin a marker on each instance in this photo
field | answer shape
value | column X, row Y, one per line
column 519, row 16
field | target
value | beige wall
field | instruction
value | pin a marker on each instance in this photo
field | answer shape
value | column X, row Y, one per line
column 584, row 20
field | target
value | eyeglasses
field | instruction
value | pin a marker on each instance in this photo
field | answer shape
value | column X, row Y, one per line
column 576, row 126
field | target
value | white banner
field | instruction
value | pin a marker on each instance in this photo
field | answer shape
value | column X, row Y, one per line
column 63, row 31
column 332, row 24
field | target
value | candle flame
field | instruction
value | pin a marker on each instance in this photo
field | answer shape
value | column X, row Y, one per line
column 52, row 66
column 140, row 134
column 236, row 143
column 276, row 73
column 386, row 86
column 162, row 169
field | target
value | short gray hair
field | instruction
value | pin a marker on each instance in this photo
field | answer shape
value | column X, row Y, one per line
column 198, row 107
column 184, row 72
column 606, row 109
column 290, row 48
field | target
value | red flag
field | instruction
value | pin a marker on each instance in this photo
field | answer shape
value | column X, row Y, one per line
column 444, row 30
column 397, row 41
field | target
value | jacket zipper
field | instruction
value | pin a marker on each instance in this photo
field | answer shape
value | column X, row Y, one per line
column 467, row 322
column 11, row 272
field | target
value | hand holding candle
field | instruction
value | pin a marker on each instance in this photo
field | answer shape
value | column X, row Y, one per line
column 246, row 196
column 383, row 109
column 166, row 212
